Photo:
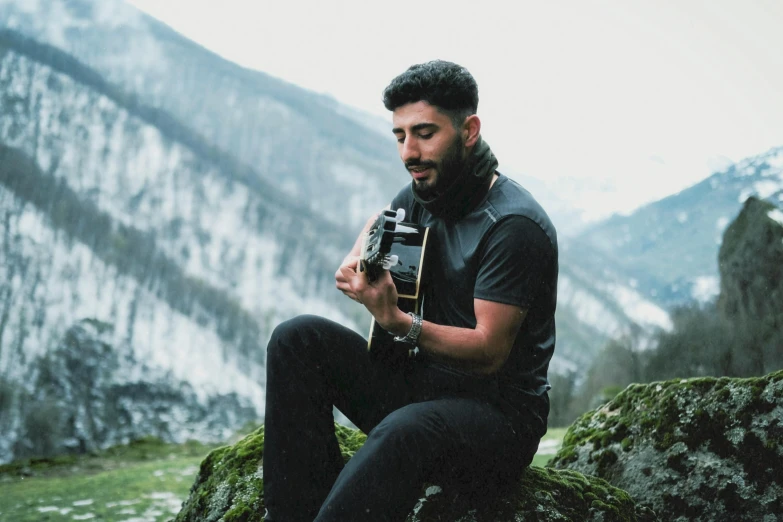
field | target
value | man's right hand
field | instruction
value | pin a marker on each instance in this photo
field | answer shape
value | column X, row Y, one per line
column 342, row 277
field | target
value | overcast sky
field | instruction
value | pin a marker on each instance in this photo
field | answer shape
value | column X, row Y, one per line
column 613, row 103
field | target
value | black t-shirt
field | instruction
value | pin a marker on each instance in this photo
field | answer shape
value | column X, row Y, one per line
column 504, row 250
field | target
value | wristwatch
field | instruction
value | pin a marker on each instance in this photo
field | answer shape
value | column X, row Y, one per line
column 413, row 334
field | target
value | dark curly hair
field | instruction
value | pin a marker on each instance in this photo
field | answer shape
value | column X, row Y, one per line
column 445, row 85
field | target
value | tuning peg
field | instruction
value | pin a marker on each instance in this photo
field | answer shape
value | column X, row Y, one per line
column 390, row 261
column 400, row 215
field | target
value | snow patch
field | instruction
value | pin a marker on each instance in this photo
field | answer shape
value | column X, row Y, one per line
column 776, row 215
column 640, row 309
column 587, row 307
column 116, row 14
column 705, row 288
column 763, row 189
column 591, row 309
column 122, row 503
column 767, row 188
column 776, row 160
column 165, row 495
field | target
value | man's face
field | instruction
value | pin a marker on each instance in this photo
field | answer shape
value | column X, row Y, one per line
column 431, row 148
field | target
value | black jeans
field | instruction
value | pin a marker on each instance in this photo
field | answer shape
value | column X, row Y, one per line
column 425, row 422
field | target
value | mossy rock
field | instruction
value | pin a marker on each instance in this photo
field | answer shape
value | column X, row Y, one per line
column 690, row 449
column 229, row 488
column 541, row 495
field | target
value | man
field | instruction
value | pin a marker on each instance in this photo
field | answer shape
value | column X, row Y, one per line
column 470, row 408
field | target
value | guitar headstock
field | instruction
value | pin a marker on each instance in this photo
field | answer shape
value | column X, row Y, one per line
column 378, row 243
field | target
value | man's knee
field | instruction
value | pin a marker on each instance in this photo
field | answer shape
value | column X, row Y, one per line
column 292, row 331
column 416, row 424
column 290, row 335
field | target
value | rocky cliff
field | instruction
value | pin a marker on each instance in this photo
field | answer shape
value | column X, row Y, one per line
column 751, row 265
column 88, row 396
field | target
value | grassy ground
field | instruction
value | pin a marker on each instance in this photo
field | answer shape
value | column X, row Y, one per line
column 549, row 446
column 143, row 482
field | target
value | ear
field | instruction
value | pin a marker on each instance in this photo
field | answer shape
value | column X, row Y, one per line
column 471, row 128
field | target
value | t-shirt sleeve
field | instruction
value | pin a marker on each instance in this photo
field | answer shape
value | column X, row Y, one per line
column 517, row 258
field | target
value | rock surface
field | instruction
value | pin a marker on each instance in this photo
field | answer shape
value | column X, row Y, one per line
column 695, row 449
column 87, row 397
column 750, row 260
column 229, row 488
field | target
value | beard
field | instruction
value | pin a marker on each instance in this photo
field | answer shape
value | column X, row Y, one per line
column 447, row 170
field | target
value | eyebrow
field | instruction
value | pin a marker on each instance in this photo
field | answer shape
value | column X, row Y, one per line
column 417, row 127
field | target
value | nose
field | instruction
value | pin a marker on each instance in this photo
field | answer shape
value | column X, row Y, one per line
column 409, row 150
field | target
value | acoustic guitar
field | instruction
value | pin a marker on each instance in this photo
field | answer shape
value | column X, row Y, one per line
column 391, row 244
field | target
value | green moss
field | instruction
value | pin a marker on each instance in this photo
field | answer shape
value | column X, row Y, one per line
column 565, row 457
column 350, row 440
column 229, row 483
column 240, row 513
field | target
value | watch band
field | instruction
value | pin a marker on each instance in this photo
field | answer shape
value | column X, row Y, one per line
column 412, row 336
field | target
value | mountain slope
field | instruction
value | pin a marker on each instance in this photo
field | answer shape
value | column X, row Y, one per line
column 670, row 247
column 306, row 143
column 115, row 213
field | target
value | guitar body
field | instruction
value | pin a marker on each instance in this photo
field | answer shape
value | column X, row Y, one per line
column 408, row 244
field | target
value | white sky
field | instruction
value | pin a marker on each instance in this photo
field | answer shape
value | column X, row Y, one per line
column 613, row 103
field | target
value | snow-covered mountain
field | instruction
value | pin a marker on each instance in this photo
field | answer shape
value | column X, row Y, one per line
column 114, row 212
column 309, row 145
column 670, row 247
